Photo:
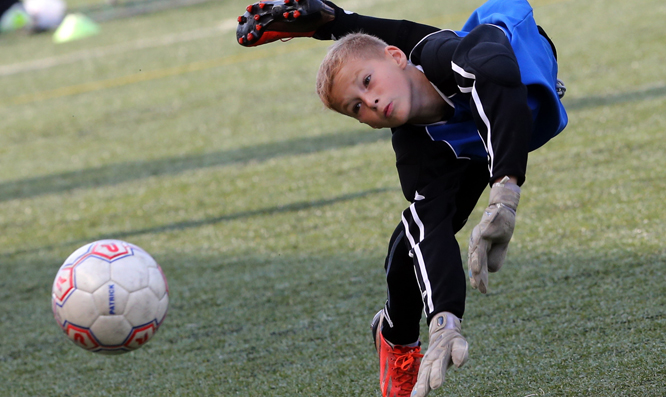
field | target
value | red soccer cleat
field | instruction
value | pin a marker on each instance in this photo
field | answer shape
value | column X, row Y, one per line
column 269, row 21
column 398, row 365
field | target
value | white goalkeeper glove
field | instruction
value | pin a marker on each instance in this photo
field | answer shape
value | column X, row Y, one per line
column 446, row 347
column 489, row 241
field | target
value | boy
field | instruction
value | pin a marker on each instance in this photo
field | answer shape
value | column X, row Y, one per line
column 465, row 107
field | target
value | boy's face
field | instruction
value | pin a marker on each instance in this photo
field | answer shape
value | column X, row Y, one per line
column 375, row 91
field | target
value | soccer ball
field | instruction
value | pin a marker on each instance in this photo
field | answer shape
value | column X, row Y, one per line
column 110, row 297
column 45, row 14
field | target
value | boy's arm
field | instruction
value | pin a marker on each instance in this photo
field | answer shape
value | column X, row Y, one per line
column 483, row 65
column 403, row 34
column 486, row 67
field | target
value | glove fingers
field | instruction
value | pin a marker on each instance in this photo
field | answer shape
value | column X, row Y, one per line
column 478, row 262
column 420, row 390
column 496, row 256
column 459, row 352
column 472, row 260
column 439, row 367
column 447, row 347
column 422, row 387
column 499, row 226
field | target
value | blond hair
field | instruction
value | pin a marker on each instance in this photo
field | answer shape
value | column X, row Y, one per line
column 350, row 47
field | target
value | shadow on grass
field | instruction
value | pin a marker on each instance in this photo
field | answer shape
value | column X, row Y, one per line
column 114, row 174
column 614, row 99
column 293, row 207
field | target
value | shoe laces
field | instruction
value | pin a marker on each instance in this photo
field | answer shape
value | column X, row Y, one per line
column 405, row 371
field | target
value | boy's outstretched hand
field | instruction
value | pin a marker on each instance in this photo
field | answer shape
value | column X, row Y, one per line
column 489, row 241
column 446, row 347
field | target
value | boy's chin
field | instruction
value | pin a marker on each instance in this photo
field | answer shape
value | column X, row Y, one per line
column 391, row 123
column 385, row 125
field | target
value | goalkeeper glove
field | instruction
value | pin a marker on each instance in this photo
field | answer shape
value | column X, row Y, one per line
column 489, row 241
column 446, row 347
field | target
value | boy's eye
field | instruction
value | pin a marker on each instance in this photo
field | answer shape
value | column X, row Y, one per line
column 356, row 108
column 366, row 80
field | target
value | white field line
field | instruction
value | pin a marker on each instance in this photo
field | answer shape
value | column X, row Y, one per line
column 141, row 44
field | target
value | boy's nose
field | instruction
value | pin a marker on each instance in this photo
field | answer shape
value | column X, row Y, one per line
column 371, row 103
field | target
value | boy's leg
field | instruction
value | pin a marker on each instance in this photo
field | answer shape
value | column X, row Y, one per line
column 439, row 211
column 443, row 190
column 402, row 312
column 471, row 188
column 395, row 328
column 268, row 21
column 400, row 33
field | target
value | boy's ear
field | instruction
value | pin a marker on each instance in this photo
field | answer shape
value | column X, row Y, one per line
column 397, row 55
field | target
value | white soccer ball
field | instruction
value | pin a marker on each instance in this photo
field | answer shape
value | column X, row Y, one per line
column 45, row 14
column 110, row 297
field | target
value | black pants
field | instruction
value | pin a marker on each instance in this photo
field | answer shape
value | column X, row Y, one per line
column 424, row 270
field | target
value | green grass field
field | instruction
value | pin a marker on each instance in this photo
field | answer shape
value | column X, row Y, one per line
column 270, row 215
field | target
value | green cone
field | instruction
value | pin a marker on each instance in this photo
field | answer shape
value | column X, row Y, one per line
column 74, row 27
column 14, row 18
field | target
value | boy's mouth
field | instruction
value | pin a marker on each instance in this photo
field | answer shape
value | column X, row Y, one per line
column 388, row 110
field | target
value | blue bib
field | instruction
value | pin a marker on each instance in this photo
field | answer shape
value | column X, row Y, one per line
column 538, row 69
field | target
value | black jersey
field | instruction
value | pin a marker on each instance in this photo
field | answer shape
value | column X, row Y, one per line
column 492, row 121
